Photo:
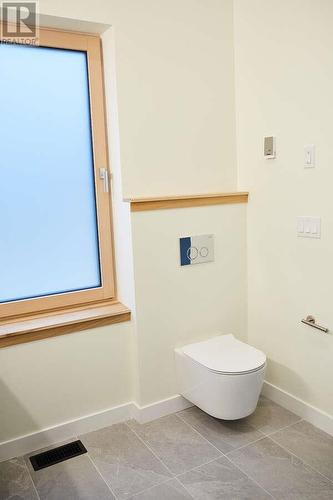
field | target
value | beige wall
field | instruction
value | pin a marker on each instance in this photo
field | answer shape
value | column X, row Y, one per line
column 178, row 305
column 284, row 75
column 175, row 106
column 49, row 382
column 176, row 96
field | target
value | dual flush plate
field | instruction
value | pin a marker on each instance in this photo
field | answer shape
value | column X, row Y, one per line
column 196, row 249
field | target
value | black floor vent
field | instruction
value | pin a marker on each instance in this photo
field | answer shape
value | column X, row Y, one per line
column 56, row 455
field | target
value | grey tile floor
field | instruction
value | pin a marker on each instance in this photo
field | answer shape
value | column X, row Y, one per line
column 271, row 454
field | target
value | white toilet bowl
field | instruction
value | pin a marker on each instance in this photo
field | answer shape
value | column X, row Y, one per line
column 222, row 376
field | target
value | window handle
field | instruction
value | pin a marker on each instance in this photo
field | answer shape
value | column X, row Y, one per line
column 104, row 176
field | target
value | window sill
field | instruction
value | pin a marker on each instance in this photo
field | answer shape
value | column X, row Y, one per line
column 45, row 325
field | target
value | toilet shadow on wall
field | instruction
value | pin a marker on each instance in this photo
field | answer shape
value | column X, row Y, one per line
column 287, row 377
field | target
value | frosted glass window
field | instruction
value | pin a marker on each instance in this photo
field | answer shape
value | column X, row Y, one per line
column 48, row 224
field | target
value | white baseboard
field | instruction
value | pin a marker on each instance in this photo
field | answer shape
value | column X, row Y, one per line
column 88, row 423
column 318, row 418
column 52, row 435
column 162, row 408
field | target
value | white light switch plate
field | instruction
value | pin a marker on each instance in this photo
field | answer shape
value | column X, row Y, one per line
column 196, row 249
column 309, row 156
column 309, row 227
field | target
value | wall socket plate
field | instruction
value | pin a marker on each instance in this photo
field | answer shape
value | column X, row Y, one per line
column 196, row 249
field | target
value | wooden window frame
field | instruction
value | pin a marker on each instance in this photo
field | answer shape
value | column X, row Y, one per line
column 105, row 294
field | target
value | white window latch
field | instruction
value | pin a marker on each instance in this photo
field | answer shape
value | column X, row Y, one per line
column 104, row 176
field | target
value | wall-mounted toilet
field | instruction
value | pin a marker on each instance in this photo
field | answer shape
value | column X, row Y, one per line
column 223, row 376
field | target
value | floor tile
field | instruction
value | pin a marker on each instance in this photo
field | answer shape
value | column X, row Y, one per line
column 126, row 464
column 312, row 445
column 226, row 435
column 15, row 481
column 175, row 443
column 280, row 473
column 270, row 417
column 220, row 479
column 74, row 479
column 171, row 490
column 139, row 461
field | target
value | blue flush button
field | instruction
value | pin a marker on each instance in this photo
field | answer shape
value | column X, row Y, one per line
column 185, row 245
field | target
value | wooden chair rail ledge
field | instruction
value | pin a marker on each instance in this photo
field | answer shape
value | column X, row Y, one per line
column 195, row 200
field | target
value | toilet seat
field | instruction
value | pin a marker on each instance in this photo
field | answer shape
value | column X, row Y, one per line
column 226, row 355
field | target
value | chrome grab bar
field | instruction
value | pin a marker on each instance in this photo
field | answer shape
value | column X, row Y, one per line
column 311, row 321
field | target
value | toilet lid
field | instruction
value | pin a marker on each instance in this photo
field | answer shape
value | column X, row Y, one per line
column 225, row 354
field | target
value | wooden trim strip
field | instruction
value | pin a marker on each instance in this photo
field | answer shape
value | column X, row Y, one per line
column 44, row 326
column 197, row 200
